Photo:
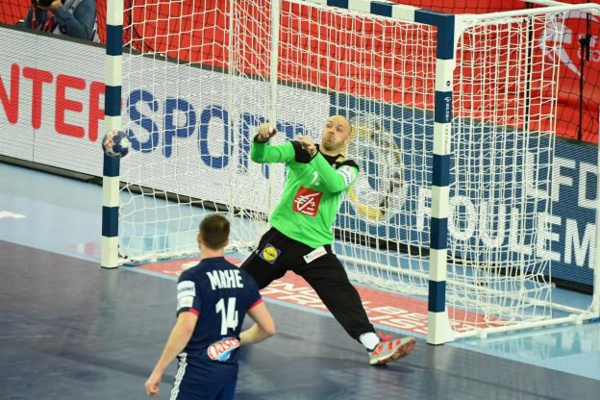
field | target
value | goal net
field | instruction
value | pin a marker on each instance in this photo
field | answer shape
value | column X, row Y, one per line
column 199, row 76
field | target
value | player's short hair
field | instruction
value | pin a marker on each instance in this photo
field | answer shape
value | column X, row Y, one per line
column 214, row 231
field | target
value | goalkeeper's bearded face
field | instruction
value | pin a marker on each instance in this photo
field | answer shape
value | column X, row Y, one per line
column 336, row 133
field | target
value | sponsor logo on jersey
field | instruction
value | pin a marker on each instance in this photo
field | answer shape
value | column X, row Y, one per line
column 222, row 349
column 338, row 161
column 348, row 173
column 307, row 201
column 185, row 302
column 185, row 289
column 269, row 253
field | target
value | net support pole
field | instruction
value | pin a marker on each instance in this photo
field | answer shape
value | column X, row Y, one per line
column 273, row 80
column 274, row 61
column 112, row 108
column 439, row 330
column 595, row 308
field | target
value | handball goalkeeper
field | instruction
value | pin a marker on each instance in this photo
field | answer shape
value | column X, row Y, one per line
column 301, row 237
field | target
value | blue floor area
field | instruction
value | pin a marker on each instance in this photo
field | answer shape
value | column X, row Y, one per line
column 73, row 331
column 62, row 216
column 571, row 348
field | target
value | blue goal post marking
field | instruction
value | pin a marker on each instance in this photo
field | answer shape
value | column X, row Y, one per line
column 448, row 28
column 439, row 330
column 109, row 256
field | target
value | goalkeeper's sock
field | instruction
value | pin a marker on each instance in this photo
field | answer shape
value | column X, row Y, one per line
column 369, row 340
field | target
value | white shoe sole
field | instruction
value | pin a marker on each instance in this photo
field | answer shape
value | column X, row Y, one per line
column 407, row 345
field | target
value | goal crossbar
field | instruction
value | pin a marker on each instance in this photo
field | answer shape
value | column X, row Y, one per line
column 437, row 100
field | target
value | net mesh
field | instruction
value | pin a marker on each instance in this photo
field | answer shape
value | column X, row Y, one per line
column 503, row 146
column 192, row 120
column 577, row 111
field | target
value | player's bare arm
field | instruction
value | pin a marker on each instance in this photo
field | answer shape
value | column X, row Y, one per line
column 178, row 339
column 263, row 328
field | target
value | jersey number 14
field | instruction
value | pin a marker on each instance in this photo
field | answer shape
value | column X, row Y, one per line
column 229, row 315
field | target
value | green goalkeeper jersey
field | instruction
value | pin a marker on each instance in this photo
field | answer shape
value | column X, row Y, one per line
column 313, row 192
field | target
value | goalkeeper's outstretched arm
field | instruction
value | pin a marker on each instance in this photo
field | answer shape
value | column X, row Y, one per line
column 262, row 152
column 335, row 180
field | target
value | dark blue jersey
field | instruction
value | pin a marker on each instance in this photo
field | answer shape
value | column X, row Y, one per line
column 220, row 294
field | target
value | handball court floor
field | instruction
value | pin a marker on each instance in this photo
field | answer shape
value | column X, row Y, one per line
column 72, row 330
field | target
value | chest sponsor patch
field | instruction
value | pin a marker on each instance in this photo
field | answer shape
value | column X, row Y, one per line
column 307, row 201
column 269, row 253
column 221, row 350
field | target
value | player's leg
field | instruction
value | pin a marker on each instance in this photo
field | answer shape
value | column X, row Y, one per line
column 329, row 279
column 206, row 391
column 186, row 386
column 180, row 387
column 270, row 260
column 226, row 391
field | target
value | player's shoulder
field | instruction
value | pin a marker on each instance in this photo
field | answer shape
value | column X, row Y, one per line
column 244, row 274
column 224, row 265
column 190, row 273
column 248, row 280
column 342, row 161
column 217, row 264
column 300, row 154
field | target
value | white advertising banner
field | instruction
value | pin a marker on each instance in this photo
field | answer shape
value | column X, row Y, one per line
column 190, row 136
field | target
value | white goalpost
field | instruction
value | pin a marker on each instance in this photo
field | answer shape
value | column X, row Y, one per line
column 455, row 138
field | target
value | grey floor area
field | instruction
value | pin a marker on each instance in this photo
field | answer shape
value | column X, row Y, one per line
column 70, row 330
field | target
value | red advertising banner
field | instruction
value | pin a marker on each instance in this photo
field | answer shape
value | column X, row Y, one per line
column 198, row 31
column 383, row 308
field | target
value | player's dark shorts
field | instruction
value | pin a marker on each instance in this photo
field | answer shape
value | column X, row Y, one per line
column 207, row 391
column 276, row 254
